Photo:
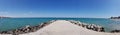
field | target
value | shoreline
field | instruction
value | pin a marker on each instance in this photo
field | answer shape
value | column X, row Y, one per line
column 27, row 29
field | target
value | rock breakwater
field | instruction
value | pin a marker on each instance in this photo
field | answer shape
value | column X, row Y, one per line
column 115, row 31
column 27, row 29
column 88, row 26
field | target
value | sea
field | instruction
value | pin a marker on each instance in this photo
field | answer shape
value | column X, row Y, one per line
column 7, row 24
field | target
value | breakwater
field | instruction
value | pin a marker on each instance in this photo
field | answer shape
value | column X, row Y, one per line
column 88, row 26
column 28, row 28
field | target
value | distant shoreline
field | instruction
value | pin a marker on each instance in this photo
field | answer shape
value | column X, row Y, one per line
column 45, row 17
column 4, row 17
column 115, row 17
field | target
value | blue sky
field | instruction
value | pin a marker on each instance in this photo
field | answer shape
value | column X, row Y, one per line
column 60, row 8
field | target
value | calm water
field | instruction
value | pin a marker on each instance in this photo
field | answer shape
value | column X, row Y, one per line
column 14, row 23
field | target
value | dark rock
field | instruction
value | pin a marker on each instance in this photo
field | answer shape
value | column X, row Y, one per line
column 102, row 29
column 115, row 31
column 88, row 26
column 3, row 32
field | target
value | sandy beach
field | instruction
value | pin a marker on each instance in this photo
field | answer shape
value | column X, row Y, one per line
column 63, row 27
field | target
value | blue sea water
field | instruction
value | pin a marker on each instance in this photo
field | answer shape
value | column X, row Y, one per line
column 14, row 23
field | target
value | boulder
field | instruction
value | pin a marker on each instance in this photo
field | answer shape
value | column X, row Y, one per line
column 115, row 31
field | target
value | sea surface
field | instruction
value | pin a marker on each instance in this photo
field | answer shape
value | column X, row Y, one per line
column 15, row 23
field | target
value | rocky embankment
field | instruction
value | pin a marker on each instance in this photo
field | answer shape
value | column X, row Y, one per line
column 115, row 31
column 27, row 29
column 88, row 26
column 92, row 27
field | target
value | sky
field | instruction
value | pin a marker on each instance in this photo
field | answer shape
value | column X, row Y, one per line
column 60, row 8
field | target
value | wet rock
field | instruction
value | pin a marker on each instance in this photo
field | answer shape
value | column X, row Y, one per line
column 102, row 29
column 3, row 32
column 115, row 31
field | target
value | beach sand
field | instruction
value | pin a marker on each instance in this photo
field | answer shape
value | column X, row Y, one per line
column 62, row 27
